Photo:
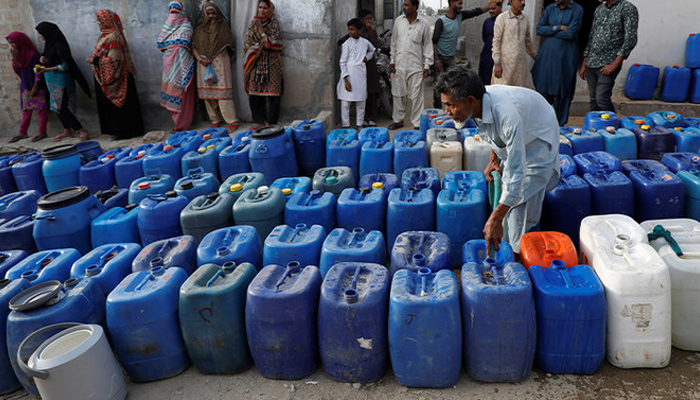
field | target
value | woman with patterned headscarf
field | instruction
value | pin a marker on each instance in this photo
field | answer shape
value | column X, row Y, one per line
column 61, row 72
column 263, row 65
column 177, row 93
column 117, row 100
column 213, row 49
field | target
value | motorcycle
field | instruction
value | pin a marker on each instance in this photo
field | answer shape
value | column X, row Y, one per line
column 381, row 54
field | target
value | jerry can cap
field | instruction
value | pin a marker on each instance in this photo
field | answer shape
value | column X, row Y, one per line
column 639, row 121
column 187, row 185
column 171, row 193
column 143, row 185
column 678, row 128
column 605, row 117
column 236, row 187
column 263, row 190
column 168, row 147
column 211, row 146
column 286, row 191
column 268, row 132
column 206, row 136
column 105, row 160
column 377, row 185
column 332, row 179
column 139, row 156
column 646, row 127
column 201, row 150
column 109, row 156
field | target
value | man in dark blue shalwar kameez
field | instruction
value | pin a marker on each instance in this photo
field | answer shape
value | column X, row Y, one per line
column 554, row 71
column 486, row 59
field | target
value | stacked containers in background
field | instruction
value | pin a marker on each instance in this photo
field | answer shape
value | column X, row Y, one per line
column 212, row 317
column 99, row 174
column 238, row 184
column 355, row 246
column 196, row 184
column 17, row 234
column 234, row 158
column 425, row 117
column 409, row 152
column 376, row 157
column 364, row 208
column 466, row 180
column 475, row 251
column 130, row 168
column 606, row 231
column 9, row 259
column 341, row 134
column 45, row 266
column 387, row 181
column 567, row 166
column 676, row 84
column 27, row 171
column 694, row 90
column 597, row 161
column 142, row 313
column 597, row 120
column 571, row 314
column 409, row 210
column 16, row 204
column 682, row 161
column 272, row 152
column 425, row 328
column 687, row 139
column 180, row 252
column 113, row 197
column 165, row 161
column 310, row 146
column 107, row 265
column 638, row 294
column 61, row 166
column 313, row 208
column 692, row 51
column 63, row 219
column 46, row 304
column 206, row 157
column 666, row 119
column 476, row 153
column 691, row 121
column 498, row 319
column 566, row 205
column 565, row 146
column 653, row 142
column 375, row 134
column 188, row 140
column 641, row 81
column 422, row 178
column 301, row 243
column 584, row 141
column 658, row 194
column 7, row 180
column 90, row 150
column 691, row 184
column 630, row 123
column 437, row 135
column 611, row 193
column 292, row 186
column 239, row 244
column 281, row 320
column 116, row 225
column 352, row 322
column 207, row 213
column 461, row 215
column 159, row 217
column 445, row 121
column 446, row 157
column 344, row 153
column 150, row 184
column 414, row 250
column 541, row 248
column 621, row 143
column 262, row 208
column 333, row 180
column 685, row 275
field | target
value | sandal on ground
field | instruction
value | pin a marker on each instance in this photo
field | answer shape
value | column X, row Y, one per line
column 84, row 135
column 215, row 125
column 232, row 127
column 18, row 138
column 395, row 125
column 63, row 136
column 39, row 137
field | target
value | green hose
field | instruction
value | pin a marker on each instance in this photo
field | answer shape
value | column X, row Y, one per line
column 495, row 189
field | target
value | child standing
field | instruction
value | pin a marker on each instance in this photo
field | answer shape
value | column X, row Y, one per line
column 33, row 94
column 352, row 87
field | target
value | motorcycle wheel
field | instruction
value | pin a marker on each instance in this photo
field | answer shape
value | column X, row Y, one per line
column 385, row 101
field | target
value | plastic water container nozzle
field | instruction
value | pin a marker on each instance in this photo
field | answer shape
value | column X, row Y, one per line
column 263, row 190
column 377, row 185
column 236, row 187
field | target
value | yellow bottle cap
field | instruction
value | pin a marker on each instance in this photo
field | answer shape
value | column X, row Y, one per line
column 237, row 187
column 207, row 136
column 678, row 128
column 477, row 138
column 377, row 185
column 286, row 191
column 605, row 117
column 211, row 146
column 202, row 150
column 646, row 127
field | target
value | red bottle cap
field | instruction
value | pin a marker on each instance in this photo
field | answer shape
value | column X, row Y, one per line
column 143, row 185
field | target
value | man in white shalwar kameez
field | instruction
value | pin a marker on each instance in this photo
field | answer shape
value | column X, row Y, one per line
column 411, row 58
column 511, row 45
column 352, row 87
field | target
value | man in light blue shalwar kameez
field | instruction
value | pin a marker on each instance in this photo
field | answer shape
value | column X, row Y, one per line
column 523, row 132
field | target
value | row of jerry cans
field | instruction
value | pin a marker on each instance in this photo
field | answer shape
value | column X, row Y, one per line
column 679, row 84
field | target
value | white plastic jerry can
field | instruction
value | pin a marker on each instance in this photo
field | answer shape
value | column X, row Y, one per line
column 476, row 153
column 446, row 157
column 435, row 135
column 606, row 230
column 638, row 294
column 685, row 277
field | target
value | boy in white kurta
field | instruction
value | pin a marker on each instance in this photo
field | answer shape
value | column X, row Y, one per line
column 352, row 87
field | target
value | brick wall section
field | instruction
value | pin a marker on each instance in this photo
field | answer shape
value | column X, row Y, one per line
column 10, row 111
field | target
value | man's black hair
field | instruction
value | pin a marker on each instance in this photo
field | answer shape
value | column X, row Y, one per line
column 356, row 22
column 364, row 12
column 415, row 3
column 461, row 82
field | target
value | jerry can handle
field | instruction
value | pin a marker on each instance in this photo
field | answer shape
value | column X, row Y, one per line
column 37, row 373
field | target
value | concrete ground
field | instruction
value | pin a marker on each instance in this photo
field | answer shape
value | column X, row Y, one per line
column 680, row 380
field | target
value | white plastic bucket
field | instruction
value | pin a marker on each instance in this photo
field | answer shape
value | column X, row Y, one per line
column 638, row 294
column 76, row 363
column 446, row 157
column 608, row 230
column 685, row 278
